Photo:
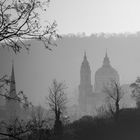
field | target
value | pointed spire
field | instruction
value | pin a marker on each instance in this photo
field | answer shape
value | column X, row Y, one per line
column 106, row 61
column 106, row 53
column 12, row 104
column 85, row 63
column 85, row 72
column 12, row 84
column 85, row 56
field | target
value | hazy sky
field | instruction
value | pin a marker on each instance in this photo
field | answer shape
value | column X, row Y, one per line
column 91, row 16
column 35, row 71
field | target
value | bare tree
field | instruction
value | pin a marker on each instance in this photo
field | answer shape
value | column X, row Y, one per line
column 114, row 94
column 19, row 21
column 136, row 91
column 15, row 128
column 38, row 117
column 39, row 123
column 35, row 127
column 57, row 102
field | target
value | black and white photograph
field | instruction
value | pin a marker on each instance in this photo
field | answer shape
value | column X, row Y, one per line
column 69, row 70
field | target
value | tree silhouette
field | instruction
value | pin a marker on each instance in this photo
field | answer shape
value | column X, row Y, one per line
column 114, row 94
column 15, row 128
column 136, row 91
column 39, row 124
column 34, row 127
column 19, row 21
column 57, row 101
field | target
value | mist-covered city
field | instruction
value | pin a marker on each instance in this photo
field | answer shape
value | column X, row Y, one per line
column 69, row 70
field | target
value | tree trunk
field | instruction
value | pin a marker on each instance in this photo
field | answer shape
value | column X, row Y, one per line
column 117, row 111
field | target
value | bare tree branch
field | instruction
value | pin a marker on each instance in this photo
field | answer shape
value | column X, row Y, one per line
column 19, row 21
column 57, row 98
column 17, row 128
column 114, row 94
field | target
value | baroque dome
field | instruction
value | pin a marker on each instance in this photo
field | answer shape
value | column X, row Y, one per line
column 104, row 75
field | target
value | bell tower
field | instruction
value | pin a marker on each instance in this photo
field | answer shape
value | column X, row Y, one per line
column 85, row 87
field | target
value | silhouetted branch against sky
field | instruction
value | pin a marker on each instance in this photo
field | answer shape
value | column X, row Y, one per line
column 20, row 21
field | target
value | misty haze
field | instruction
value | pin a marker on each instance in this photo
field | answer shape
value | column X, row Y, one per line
column 69, row 70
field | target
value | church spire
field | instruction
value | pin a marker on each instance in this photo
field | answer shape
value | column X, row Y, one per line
column 106, row 53
column 85, row 63
column 85, row 72
column 12, row 103
column 85, row 56
column 12, row 92
column 85, row 87
column 106, row 61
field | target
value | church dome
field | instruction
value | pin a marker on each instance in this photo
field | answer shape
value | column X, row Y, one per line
column 105, row 74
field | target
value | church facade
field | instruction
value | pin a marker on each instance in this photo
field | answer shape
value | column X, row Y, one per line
column 91, row 97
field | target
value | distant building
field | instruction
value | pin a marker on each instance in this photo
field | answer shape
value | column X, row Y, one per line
column 89, row 98
column 85, row 87
column 11, row 108
column 12, row 105
column 103, row 77
column 105, row 74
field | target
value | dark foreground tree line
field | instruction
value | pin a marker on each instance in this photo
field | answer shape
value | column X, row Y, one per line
column 111, row 123
column 105, row 128
column 98, row 128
